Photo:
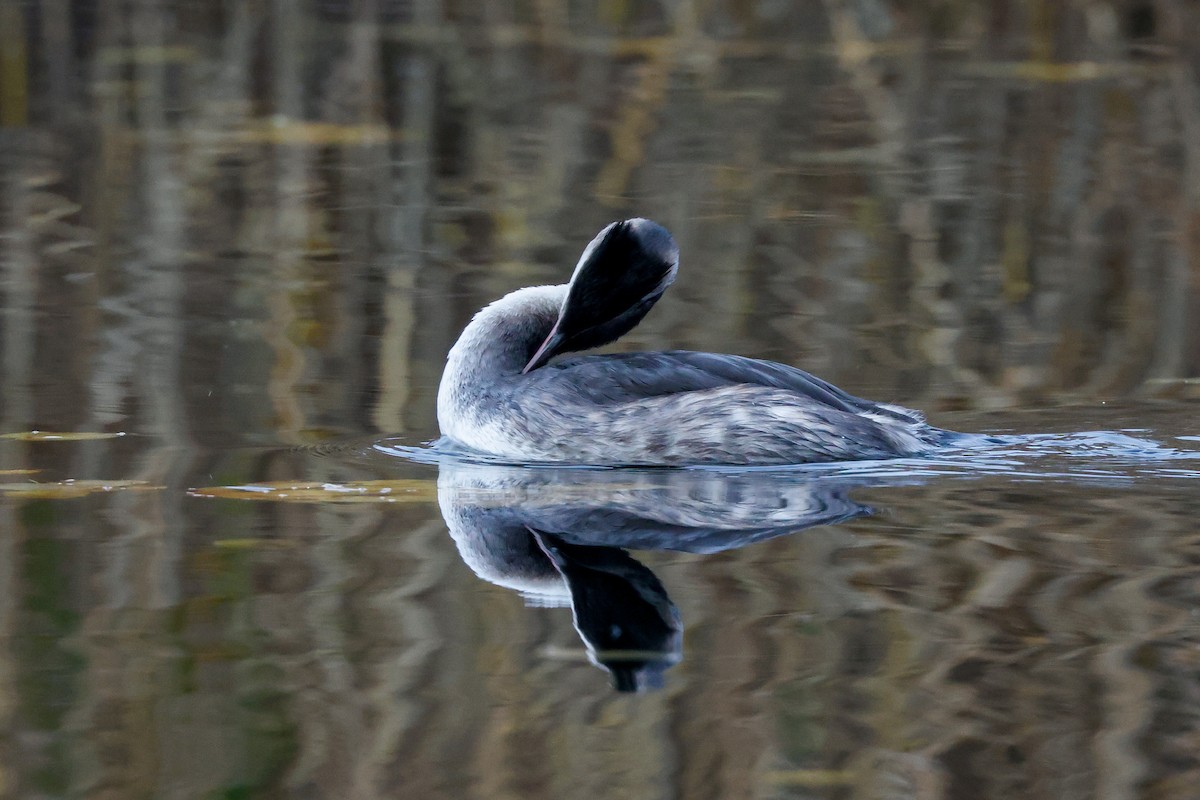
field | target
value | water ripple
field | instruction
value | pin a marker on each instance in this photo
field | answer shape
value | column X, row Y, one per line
column 1101, row 455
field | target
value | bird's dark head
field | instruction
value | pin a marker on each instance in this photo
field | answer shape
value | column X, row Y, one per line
column 621, row 274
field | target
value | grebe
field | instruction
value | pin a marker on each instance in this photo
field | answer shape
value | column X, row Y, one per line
column 505, row 393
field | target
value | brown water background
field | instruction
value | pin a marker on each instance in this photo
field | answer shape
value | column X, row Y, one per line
column 237, row 239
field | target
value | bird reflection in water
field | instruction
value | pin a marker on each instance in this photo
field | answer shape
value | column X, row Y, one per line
column 560, row 537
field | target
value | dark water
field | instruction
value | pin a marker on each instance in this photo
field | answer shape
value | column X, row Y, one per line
column 237, row 240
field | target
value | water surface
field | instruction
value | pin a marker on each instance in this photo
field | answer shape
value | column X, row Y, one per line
column 236, row 242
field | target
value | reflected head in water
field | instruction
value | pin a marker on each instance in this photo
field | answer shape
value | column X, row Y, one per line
column 560, row 536
column 511, row 388
column 621, row 611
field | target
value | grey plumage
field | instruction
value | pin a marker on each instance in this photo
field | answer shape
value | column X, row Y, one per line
column 663, row 408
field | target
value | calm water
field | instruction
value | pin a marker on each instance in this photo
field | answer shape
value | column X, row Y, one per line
column 237, row 240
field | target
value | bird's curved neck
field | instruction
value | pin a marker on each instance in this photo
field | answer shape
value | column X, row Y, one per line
column 502, row 337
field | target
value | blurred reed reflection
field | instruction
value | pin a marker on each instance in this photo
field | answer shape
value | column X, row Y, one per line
column 1024, row 629
column 283, row 213
column 227, row 226
column 558, row 536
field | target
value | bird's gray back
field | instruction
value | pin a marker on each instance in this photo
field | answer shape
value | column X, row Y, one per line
column 739, row 424
column 628, row 377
